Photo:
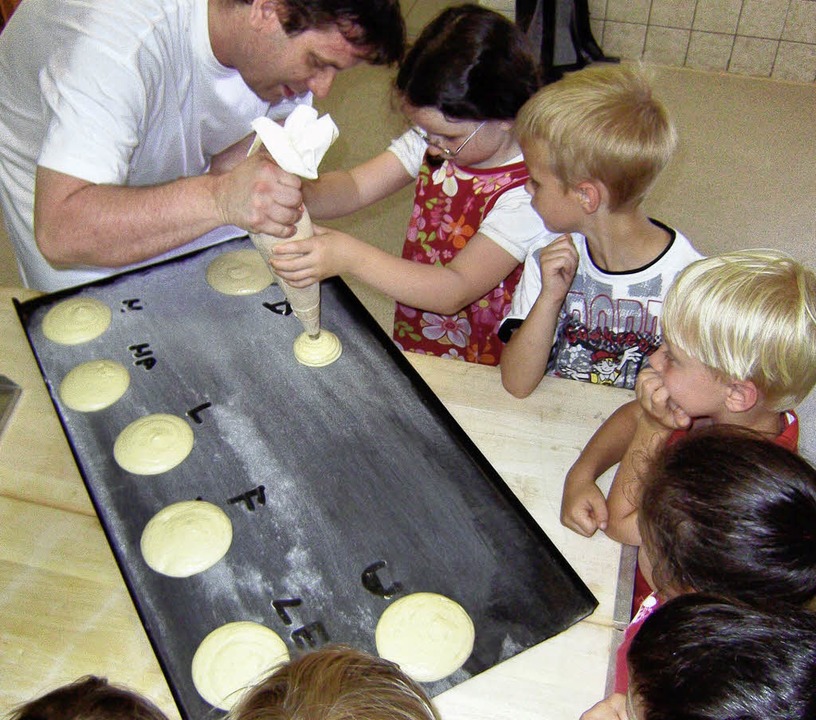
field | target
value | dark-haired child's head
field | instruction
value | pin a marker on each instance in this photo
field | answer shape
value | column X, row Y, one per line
column 728, row 511
column 469, row 63
column 336, row 683
column 699, row 656
column 89, row 698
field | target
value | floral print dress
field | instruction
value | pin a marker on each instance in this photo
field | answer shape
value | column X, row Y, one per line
column 450, row 203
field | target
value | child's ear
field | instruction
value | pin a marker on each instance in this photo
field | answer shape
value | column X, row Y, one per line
column 589, row 195
column 742, row 396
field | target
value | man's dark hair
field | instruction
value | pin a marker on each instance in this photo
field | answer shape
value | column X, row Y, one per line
column 374, row 27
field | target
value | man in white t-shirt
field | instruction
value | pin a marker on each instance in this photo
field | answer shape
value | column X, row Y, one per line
column 124, row 126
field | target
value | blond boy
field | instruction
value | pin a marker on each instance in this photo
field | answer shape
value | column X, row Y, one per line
column 739, row 348
column 588, row 304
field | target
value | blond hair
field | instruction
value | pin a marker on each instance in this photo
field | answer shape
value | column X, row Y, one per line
column 748, row 315
column 336, row 682
column 601, row 123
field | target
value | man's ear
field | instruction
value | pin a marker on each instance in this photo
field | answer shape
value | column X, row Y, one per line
column 589, row 195
column 264, row 13
column 742, row 396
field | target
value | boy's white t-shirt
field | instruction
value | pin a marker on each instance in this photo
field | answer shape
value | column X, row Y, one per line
column 121, row 93
column 511, row 223
column 609, row 322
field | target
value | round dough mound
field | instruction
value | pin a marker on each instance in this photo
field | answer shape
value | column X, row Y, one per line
column 186, row 538
column 317, row 352
column 76, row 321
column 234, row 657
column 94, row 385
column 240, row 272
column 153, row 444
column 428, row 635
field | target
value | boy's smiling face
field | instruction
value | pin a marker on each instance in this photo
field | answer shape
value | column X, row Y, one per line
column 691, row 385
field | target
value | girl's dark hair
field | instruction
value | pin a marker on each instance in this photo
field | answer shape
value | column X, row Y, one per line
column 702, row 657
column 89, row 698
column 470, row 63
column 729, row 512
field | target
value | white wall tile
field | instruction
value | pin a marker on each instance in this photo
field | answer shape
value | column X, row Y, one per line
column 763, row 18
column 666, row 46
column 801, row 23
column 632, row 11
column 753, row 56
column 719, row 16
column 624, row 40
column 709, row 51
column 672, row 13
column 795, row 61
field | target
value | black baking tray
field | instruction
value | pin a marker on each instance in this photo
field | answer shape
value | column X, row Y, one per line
column 327, row 474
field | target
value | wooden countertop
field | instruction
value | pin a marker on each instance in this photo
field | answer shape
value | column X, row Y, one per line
column 65, row 610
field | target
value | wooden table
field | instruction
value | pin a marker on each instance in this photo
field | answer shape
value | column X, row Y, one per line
column 65, row 610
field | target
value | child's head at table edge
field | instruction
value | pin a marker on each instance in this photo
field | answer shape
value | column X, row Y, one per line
column 749, row 316
column 336, row 682
column 603, row 125
column 700, row 656
column 726, row 510
column 89, row 698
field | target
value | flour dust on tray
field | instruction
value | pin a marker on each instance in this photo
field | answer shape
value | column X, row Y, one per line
column 94, row 385
column 153, row 444
column 186, row 538
column 234, row 657
column 239, row 272
column 428, row 635
column 76, row 321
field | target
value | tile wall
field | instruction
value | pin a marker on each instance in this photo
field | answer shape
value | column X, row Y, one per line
column 761, row 38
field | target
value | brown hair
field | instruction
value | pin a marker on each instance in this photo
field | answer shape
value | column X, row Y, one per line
column 336, row 682
column 89, row 698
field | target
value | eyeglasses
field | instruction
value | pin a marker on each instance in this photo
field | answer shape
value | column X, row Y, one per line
column 446, row 151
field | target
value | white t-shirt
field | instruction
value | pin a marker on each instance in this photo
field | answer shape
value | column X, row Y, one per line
column 609, row 322
column 112, row 92
column 511, row 223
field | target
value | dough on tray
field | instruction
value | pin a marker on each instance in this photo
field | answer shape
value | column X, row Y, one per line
column 234, row 657
column 76, row 320
column 153, row 444
column 186, row 538
column 317, row 352
column 94, row 385
column 239, row 272
column 428, row 635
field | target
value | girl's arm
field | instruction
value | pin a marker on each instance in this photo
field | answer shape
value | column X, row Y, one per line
column 524, row 358
column 479, row 267
column 341, row 192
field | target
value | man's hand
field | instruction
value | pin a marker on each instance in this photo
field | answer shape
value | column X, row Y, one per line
column 583, row 505
column 258, row 196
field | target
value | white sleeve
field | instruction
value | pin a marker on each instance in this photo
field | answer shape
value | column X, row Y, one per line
column 410, row 150
column 513, row 224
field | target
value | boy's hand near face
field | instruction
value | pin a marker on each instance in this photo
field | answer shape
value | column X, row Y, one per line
column 558, row 262
column 654, row 398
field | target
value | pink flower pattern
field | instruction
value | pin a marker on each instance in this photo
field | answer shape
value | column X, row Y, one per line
column 449, row 203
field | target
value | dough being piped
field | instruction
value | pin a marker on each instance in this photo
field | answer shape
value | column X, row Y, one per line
column 186, row 538
column 234, row 657
column 76, row 321
column 240, row 272
column 428, row 635
column 319, row 351
column 153, row 444
column 94, row 385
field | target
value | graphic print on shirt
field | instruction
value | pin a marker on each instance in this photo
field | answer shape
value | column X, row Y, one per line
column 603, row 340
column 449, row 205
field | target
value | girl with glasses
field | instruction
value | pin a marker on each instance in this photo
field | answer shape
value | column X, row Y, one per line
column 459, row 87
